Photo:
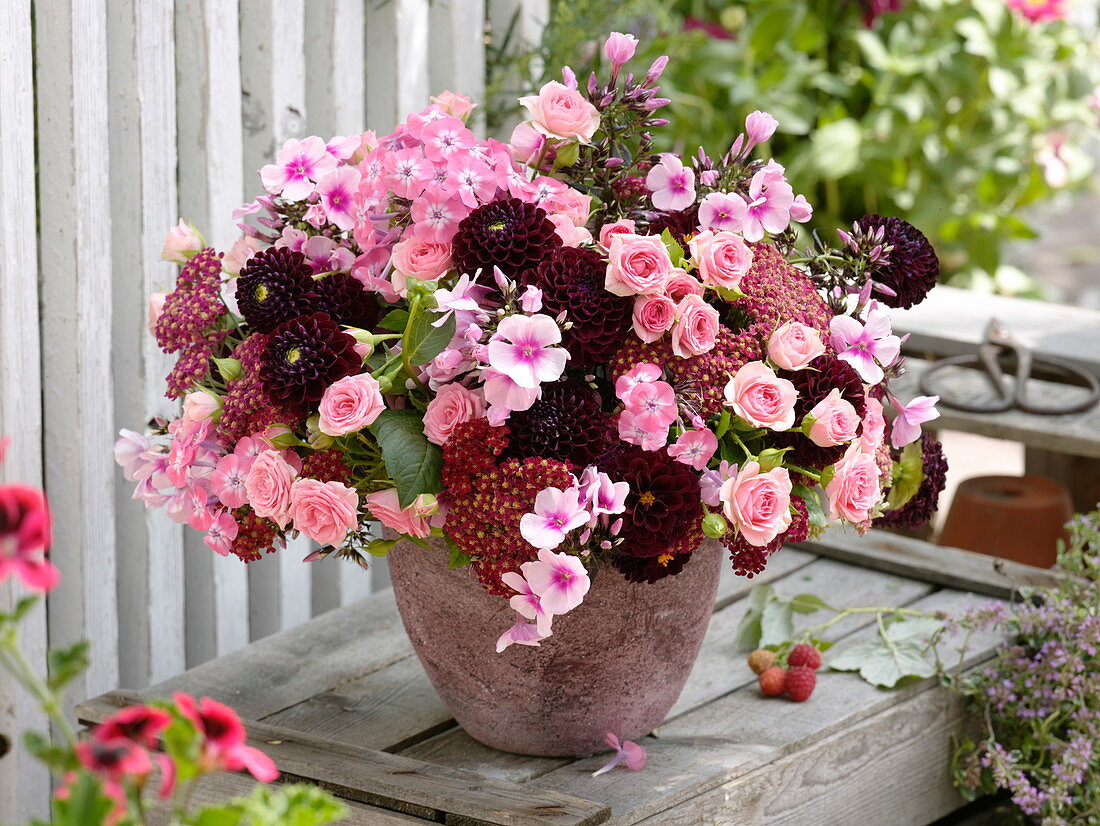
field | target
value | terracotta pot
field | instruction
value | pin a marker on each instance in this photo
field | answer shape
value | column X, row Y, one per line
column 616, row 663
column 1015, row 517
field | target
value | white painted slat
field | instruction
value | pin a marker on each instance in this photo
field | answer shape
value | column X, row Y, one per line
column 397, row 61
column 143, row 205
column 24, row 784
column 75, row 252
column 517, row 24
column 457, row 60
column 211, row 185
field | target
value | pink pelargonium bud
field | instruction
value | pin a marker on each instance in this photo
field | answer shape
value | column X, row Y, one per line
column 760, row 126
column 620, row 48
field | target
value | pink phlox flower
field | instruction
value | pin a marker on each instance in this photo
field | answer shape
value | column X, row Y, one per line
column 559, row 579
column 227, row 480
column 323, row 255
column 905, row 428
column 373, row 169
column 504, row 396
column 446, row 137
column 647, row 433
column 299, row 165
column 465, row 300
column 759, row 127
column 129, row 450
column 653, row 404
column 316, row 216
column 801, row 210
column 408, row 171
column 557, row 512
column 337, row 190
column 769, row 207
column 342, row 148
column 542, row 189
column 221, row 533
column 249, row 447
column 638, row 374
column 694, row 448
column 526, row 602
column 600, row 495
column 372, row 281
column 187, row 438
column 523, row 348
column 417, row 122
column 449, row 365
column 671, row 184
column 531, row 300
column 626, row 752
column 868, row 346
column 710, row 483
column 292, row 238
column 436, row 216
column 723, row 211
column 471, row 179
column 244, row 210
column 521, row 633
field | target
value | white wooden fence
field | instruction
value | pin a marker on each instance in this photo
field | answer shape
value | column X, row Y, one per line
column 117, row 116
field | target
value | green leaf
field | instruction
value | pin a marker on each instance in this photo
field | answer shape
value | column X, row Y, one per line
column 411, row 460
column 422, row 341
column 85, row 804
column 906, row 477
column 457, row 558
column 835, row 148
column 884, row 664
column 395, row 320
column 901, row 629
column 723, row 423
column 813, row 506
column 675, row 251
column 808, row 603
column 297, row 804
column 381, row 547
column 748, row 631
column 66, row 664
column 776, row 623
column 59, row 760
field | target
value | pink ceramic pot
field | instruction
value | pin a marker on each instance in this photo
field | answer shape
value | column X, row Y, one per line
column 617, row 663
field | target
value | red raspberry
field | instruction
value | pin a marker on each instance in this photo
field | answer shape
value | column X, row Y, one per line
column 804, row 655
column 800, row 683
column 761, row 660
column 772, row 681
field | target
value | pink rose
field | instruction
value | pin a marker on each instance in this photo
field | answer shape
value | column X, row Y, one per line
column 793, row 346
column 156, row 307
column 653, row 316
column 623, row 226
column 267, row 486
column 324, row 511
column 637, row 265
column 181, row 243
column 761, row 398
column 243, row 248
column 572, row 204
column 453, row 404
column 560, row 112
column 680, row 285
column 722, row 257
column 835, row 421
column 386, row 508
column 349, row 405
column 455, row 105
column 423, row 260
column 570, row 234
column 874, row 426
column 695, row 329
column 759, row 504
column 854, row 489
column 200, row 405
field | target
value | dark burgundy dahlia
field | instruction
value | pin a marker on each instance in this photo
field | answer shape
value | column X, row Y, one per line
column 650, row 568
column 572, row 279
column 663, row 512
column 509, row 234
column 918, row 510
column 343, row 298
column 303, row 357
column 275, row 285
column 681, row 225
column 567, row 423
column 912, row 269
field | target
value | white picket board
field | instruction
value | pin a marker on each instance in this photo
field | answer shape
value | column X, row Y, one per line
column 143, row 205
column 211, row 186
column 24, row 784
column 397, row 61
column 461, row 70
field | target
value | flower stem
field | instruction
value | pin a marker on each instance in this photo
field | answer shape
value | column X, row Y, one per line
column 13, row 660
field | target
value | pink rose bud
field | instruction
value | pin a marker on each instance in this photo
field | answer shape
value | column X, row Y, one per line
column 654, row 316
column 761, row 398
column 696, row 327
column 200, row 405
column 758, row 504
column 560, row 112
column 385, row 506
column 413, row 257
column 181, row 243
column 794, row 345
column 570, row 234
column 324, row 511
column 759, row 126
column 156, row 307
column 680, row 285
column 637, row 265
column 620, row 48
column 453, row 405
column 623, row 226
column 835, row 421
column 349, row 405
column 722, row 257
column 854, row 489
column 455, row 105
column 243, row 249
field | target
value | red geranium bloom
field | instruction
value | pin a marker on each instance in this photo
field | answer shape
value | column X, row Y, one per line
column 224, row 745
column 142, row 724
column 113, row 758
column 25, row 536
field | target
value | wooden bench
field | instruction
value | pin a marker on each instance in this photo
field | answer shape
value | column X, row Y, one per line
column 343, row 702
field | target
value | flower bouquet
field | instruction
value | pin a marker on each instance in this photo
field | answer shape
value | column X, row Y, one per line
column 565, row 364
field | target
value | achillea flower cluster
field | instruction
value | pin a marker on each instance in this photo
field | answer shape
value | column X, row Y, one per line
column 245, row 408
column 256, row 536
column 194, row 307
column 193, row 365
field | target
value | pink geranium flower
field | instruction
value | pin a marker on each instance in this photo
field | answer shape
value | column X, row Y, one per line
column 867, row 346
column 559, row 579
column 523, row 349
column 694, row 448
column 905, row 428
column 769, row 208
column 299, row 165
column 626, row 752
column 671, row 183
column 25, row 534
column 557, row 512
column 224, row 747
column 337, row 191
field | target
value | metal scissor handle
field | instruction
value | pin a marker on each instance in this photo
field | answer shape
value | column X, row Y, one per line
column 1011, row 394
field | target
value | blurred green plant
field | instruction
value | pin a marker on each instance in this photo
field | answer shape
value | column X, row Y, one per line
column 956, row 115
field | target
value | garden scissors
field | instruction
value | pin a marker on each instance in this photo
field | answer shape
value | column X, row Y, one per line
column 1011, row 393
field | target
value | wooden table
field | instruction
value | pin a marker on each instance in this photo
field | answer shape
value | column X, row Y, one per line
column 342, row 701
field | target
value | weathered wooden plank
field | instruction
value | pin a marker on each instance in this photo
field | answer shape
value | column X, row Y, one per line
column 457, row 54
column 953, row 567
column 951, row 321
column 892, row 768
column 210, row 145
column 397, row 61
column 736, row 734
column 75, row 224
column 1080, row 474
column 1074, row 433
column 395, row 782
